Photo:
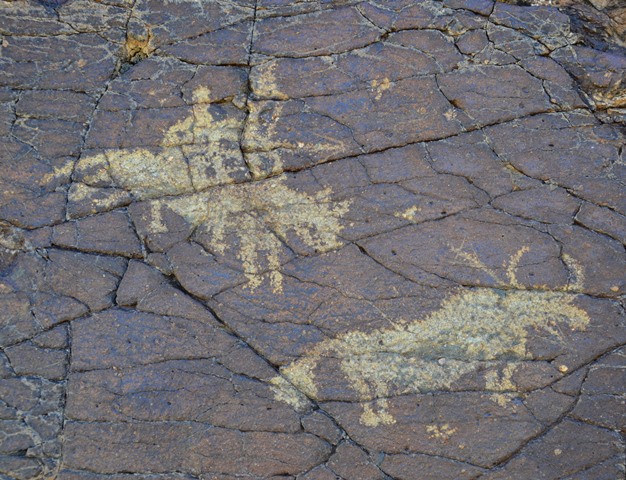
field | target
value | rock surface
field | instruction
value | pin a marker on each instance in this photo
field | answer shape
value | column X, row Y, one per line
column 312, row 240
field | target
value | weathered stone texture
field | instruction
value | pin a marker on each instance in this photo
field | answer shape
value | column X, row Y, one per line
column 318, row 239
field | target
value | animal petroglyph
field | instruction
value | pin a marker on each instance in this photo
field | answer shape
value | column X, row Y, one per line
column 263, row 216
column 196, row 153
column 192, row 174
column 476, row 329
column 201, row 152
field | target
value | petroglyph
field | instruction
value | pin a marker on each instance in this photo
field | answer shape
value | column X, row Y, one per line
column 285, row 392
column 475, row 329
column 195, row 153
column 163, row 166
column 380, row 87
column 263, row 216
column 443, row 432
column 201, row 152
column 264, row 83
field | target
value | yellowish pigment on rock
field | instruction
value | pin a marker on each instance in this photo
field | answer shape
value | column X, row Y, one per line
column 259, row 162
column 264, row 81
column 199, row 152
column 380, row 87
column 409, row 213
column 179, row 165
column 80, row 192
column 440, row 432
column 265, row 143
column 263, row 216
column 64, row 170
column 201, row 95
column 285, row 392
column 473, row 330
column 501, row 381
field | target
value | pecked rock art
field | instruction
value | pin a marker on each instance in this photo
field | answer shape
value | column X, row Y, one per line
column 197, row 155
column 194, row 174
column 263, row 216
column 475, row 330
column 115, row 165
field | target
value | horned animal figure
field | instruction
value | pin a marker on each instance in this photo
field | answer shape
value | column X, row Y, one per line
column 475, row 330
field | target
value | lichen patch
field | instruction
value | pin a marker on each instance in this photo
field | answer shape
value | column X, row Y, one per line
column 380, row 87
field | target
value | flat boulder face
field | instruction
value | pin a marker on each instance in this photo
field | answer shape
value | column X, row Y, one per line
column 311, row 240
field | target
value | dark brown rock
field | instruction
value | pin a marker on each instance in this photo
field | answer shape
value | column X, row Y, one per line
column 321, row 425
column 27, row 359
column 547, row 405
column 296, row 36
column 21, row 468
column 89, row 58
column 311, row 240
column 142, row 338
column 400, row 56
column 83, row 200
column 100, row 277
column 472, row 42
column 351, row 462
column 148, row 290
column 110, row 233
column 18, row 321
column 603, row 400
column 534, row 147
column 543, row 23
column 606, row 411
column 198, row 390
column 482, row 7
column 225, row 46
column 602, row 263
column 267, row 8
column 51, row 309
column 558, row 83
column 444, row 425
column 402, row 14
column 199, row 448
column 567, row 449
column 198, row 271
column 469, row 155
column 457, row 241
column 603, row 220
column 544, row 204
column 387, row 117
column 14, row 438
column 296, row 135
column 170, row 23
column 320, row 473
column 470, row 91
column 54, row 104
column 83, row 475
column 29, row 210
column 599, row 73
column 418, row 467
